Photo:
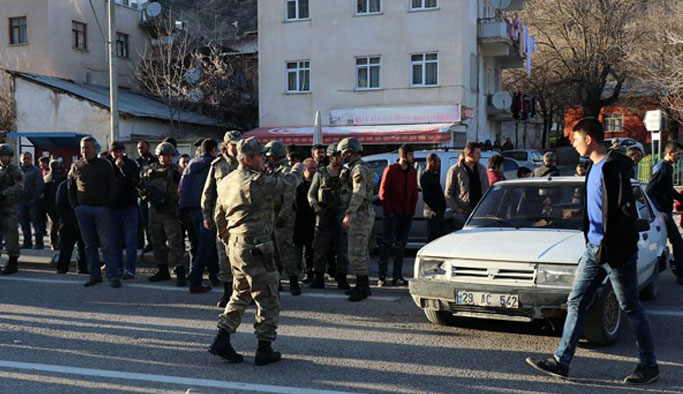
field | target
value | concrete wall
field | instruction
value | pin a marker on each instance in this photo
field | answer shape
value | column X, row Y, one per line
column 49, row 50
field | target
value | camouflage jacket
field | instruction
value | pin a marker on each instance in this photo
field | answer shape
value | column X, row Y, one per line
column 330, row 191
column 284, row 204
column 220, row 168
column 245, row 202
column 165, row 179
column 11, row 185
column 362, row 182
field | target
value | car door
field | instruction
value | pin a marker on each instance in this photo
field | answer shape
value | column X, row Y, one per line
column 649, row 241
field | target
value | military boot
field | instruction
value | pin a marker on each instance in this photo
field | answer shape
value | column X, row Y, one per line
column 180, row 278
column 265, row 354
column 11, row 266
column 362, row 289
column 294, row 288
column 221, row 347
column 227, row 293
column 318, row 281
column 161, row 275
column 342, row 283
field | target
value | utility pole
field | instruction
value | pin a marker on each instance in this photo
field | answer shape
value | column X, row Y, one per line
column 113, row 76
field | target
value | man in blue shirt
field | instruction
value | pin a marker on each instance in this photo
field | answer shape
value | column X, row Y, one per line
column 611, row 249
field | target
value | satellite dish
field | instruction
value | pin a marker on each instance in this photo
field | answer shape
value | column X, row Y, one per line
column 502, row 101
column 152, row 10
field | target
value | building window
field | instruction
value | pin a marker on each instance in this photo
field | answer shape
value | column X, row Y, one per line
column 613, row 123
column 297, row 9
column 122, row 45
column 423, row 4
column 298, row 76
column 18, row 31
column 368, row 72
column 79, row 37
column 424, row 69
column 368, row 7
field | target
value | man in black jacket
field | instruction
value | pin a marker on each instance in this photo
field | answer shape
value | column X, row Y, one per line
column 611, row 249
column 432, row 195
column 662, row 193
column 69, row 233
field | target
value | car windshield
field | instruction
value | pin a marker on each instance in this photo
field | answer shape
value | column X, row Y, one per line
column 541, row 205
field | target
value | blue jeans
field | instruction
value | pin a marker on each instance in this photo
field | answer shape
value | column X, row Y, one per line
column 94, row 224
column 29, row 214
column 589, row 278
column 124, row 234
column 207, row 254
column 396, row 231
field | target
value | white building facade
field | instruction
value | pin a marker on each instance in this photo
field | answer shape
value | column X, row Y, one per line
column 367, row 64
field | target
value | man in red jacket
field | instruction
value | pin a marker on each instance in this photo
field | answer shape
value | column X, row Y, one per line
column 398, row 195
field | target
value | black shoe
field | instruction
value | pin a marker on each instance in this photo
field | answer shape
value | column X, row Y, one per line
column 221, row 347
column 308, row 278
column 382, row 281
column 128, row 276
column 265, row 354
column 318, row 281
column 227, row 293
column 39, row 246
column 92, row 282
column 215, row 282
column 180, row 278
column 400, row 282
column 342, row 283
column 161, row 275
column 549, row 366
column 11, row 267
column 643, row 374
column 361, row 291
column 294, row 288
column 115, row 283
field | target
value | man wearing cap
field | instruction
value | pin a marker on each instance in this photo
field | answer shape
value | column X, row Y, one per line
column 11, row 187
column 245, row 221
column 123, row 212
column 328, row 195
column 549, row 167
column 223, row 165
column 284, row 217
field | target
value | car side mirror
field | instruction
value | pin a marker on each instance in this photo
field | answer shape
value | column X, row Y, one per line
column 642, row 225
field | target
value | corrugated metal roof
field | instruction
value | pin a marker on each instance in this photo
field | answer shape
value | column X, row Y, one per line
column 130, row 103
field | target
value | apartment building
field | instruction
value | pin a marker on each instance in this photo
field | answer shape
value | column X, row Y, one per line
column 387, row 71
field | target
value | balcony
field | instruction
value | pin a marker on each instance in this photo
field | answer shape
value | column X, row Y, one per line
column 509, row 5
column 495, row 40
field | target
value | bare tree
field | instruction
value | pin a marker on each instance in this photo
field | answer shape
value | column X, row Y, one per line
column 6, row 104
column 164, row 67
column 586, row 42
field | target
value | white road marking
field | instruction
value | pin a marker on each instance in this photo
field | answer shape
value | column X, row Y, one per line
column 184, row 289
column 661, row 312
column 103, row 373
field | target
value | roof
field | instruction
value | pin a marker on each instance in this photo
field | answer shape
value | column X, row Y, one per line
column 51, row 139
column 130, row 103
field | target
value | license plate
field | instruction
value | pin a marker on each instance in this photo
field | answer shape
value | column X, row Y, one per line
column 476, row 298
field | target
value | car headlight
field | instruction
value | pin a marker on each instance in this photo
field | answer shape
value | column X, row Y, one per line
column 555, row 275
column 426, row 267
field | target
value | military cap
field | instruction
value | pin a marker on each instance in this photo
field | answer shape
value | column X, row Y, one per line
column 276, row 149
column 332, row 149
column 249, row 146
column 232, row 136
column 6, row 149
column 116, row 145
column 350, row 143
column 165, row 148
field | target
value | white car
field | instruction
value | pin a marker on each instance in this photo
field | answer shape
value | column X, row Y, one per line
column 625, row 143
column 529, row 158
column 516, row 257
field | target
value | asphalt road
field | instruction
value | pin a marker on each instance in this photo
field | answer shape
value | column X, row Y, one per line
column 58, row 337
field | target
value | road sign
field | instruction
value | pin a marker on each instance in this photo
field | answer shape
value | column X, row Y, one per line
column 653, row 120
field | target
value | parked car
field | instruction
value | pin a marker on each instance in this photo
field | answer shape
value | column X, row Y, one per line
column 536, row 227
column 625, row 143
column 449, row 157
column 529, row 158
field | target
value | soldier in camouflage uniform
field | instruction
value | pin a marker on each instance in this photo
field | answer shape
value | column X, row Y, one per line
column 284, row 217
column 220, row 168
column 164, row 218
column 360, row 215
column 329, row 196
column 11, row 187
column 245, row 220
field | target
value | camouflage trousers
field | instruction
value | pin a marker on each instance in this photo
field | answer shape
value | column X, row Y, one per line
column 224, row 270
column 9, row 229
column 359, row 234
column 330, row 236
column 166, row 227
column 284, row 245
column 254, row 277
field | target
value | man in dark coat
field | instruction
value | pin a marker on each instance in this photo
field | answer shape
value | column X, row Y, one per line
column 304, row 223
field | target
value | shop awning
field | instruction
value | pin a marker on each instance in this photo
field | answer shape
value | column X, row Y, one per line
column 47, row 139
column 434, row 133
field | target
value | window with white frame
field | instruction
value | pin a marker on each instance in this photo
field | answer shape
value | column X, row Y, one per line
column 298, row 76
column 424, row 69
column 423, row 4
column 368, row 72
column 297, row 9
column 364, row 7
column 613, row 123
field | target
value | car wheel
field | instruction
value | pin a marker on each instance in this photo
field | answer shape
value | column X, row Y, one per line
column 649, row 292
column 604, row 318
column 442, row 318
